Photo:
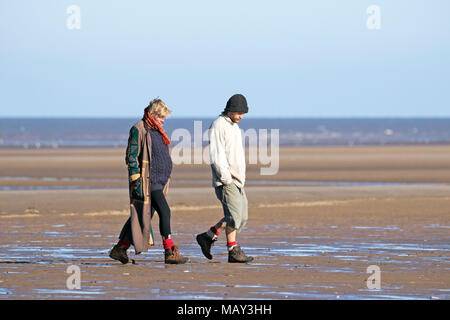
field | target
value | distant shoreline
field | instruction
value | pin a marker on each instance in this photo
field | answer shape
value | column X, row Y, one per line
column 330, row 145
column 290, row 132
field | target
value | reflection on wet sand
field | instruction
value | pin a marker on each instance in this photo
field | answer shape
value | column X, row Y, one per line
column 314, row 228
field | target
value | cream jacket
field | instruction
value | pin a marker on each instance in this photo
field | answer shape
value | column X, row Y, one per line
column 226, row 152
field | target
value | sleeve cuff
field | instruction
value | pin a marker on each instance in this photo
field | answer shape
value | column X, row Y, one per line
column 135, row 177
column 227, row 181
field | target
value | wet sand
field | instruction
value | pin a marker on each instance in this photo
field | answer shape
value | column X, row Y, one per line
column 309, row 241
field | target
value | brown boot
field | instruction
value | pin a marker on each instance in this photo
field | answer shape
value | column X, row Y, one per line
column 237, row 255
column 119, row 253
column 173, row 256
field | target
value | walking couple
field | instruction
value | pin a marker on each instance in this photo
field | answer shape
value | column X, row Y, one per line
column 149, row 170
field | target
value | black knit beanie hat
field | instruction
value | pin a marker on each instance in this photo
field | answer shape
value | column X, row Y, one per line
column 237, row 103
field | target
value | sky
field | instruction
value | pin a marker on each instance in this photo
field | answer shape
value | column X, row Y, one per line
column 289, row 58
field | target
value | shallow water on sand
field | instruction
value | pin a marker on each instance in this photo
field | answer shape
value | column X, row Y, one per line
column 40, row 183
column 44, row 257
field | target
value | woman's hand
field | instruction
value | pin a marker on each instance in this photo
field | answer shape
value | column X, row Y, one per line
column 136, row 189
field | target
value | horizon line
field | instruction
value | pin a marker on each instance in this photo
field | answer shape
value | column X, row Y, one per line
column 212, row 117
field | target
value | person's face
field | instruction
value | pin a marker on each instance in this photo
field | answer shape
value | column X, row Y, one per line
column 159, row 119
column 236, row 116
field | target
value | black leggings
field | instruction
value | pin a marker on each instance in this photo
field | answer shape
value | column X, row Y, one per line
column 161, row 206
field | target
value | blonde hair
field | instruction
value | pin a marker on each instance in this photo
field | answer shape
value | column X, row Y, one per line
column 158, row 107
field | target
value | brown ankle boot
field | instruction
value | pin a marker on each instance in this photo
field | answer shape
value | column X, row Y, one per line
column 173, row 256
column 237, row 255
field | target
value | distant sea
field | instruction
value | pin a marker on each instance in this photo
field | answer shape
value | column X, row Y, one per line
column 84, row 132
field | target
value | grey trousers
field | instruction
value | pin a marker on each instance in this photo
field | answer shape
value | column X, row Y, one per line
column 235, row 205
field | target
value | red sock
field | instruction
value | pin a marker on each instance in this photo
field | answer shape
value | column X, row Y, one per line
column 214, row 230
column 124, row 244
column 230, row 244
column 168, row 243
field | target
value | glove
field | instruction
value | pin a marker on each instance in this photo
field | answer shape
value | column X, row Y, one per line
column 136, row 189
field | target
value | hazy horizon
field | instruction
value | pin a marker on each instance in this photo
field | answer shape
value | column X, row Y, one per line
column 243, row 120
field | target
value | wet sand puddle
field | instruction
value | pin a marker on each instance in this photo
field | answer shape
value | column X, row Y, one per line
column 44, row 261
column 412, row 255
column 74, row 183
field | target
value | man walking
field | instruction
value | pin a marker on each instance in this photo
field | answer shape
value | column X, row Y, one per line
column 228, row 176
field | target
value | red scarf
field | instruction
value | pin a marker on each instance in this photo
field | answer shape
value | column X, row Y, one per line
column 155, row 125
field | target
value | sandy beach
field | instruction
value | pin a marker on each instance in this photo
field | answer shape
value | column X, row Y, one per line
column 314, row 228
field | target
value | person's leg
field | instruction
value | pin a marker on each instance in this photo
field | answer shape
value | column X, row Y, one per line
column 238, row 207
column 206, row 239
column 244, row 212
column 160, row 205
column 126, row 237
column 230, row 200
column 171, row 253
column 234, row 205
column 216, row 229
column 119, row 251
column 231, row 237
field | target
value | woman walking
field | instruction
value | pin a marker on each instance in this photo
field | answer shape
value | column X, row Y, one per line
column 149, row 169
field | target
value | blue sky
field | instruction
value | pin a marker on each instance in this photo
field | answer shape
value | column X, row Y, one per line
column 289, row 58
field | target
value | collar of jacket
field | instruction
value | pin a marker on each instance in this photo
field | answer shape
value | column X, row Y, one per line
column 228, row 119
